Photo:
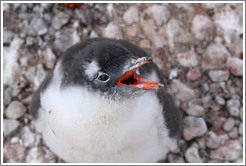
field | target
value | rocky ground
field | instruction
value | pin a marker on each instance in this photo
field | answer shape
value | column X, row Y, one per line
column 198, row 47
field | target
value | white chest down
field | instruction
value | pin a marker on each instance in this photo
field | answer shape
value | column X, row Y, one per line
column 81, row 127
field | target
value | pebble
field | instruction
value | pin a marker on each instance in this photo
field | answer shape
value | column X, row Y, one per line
column 223, row 138
column 218, row 75
column 112, row 31
column 132, row 30
column 220, row 100
column 49, row 58
column 240, row 129
column 59, row 20
column 212, row 141
column 7, row 96
column 39, row 76
column 173, row 74
column 194, row 74
column 66, row 38
column 202, row 27
column 234, row 133
column 93, row 34
column 14, row 153
column 7, row 37
column 193, row 127
column 229, row 21
column 172, row 158
column 229, row 124
column 38, row 26
column 212, row 5
column 10, row 64
column 233, row 107
column 14, row 140
column 175, row 33
column 192, row 155
column 181, row 91
column 157, row 38
column 37, row 155
column 188, row 59
column 15, row 110
column 144, row 43
column 160, row 13
column 230, row 151
column 216, row 54
column 30, row 40
column 131, row 15
column 195, row 110
column 235, row 66
column 27, row 137
column 10, row 126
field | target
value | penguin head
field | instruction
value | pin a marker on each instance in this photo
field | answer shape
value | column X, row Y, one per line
column 106, row 67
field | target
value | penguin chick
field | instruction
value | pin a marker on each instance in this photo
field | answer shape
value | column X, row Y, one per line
column 105, row 101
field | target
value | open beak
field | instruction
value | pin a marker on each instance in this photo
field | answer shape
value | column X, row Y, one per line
column 130, row 78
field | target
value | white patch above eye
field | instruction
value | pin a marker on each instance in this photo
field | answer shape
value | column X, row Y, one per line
column 91, row 69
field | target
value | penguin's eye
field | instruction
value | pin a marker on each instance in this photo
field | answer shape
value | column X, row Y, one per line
column 103, row 77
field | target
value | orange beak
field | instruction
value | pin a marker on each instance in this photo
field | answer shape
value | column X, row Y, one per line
column 130, row 78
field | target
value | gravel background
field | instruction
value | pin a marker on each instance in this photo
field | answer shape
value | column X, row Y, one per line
column 199, row 48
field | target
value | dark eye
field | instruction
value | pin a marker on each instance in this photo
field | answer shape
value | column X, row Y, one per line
column 103, row 77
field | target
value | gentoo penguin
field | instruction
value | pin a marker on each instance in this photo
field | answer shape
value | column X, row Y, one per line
column 105, row 101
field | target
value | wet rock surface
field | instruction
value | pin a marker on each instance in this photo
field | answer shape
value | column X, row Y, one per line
column 198, row 48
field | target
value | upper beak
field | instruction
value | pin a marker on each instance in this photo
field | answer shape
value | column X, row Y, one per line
column 130, row 78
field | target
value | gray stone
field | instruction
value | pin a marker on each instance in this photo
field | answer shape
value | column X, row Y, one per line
column 188, row 59
column 144, row 43
column 173, row 74
column 66, row 38
column 212, row 141
column 176, row 34
column 10, row 61
column 218, row 75
column 38, row 26
column 194, row 74
column 235, row 66
column 131, row 15
column 216, row 54
column 229, row 124
column 193, row 127
column 230, row 151
column 212, row 5
column 39, row 76
column 192, row 155
column 160, row 13
column 7, row 36
column 202, row 27
column 15, row 110
column 220, row 100
column 49, row 58
column 233, row 107
column 59, row 20
column 233, row 133
column 195, row 110
column 132, row 30
column 10, row 126
column 156, row 37
column 112, row 31
column 240, row 129
column 7, row 96
column 173, row 158
column 27, row 137
column 93, row 34
column 30, row 40
column 181, row 91
column 14, row 153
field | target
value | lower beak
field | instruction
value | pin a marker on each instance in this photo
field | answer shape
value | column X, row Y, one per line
column 130, row 78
